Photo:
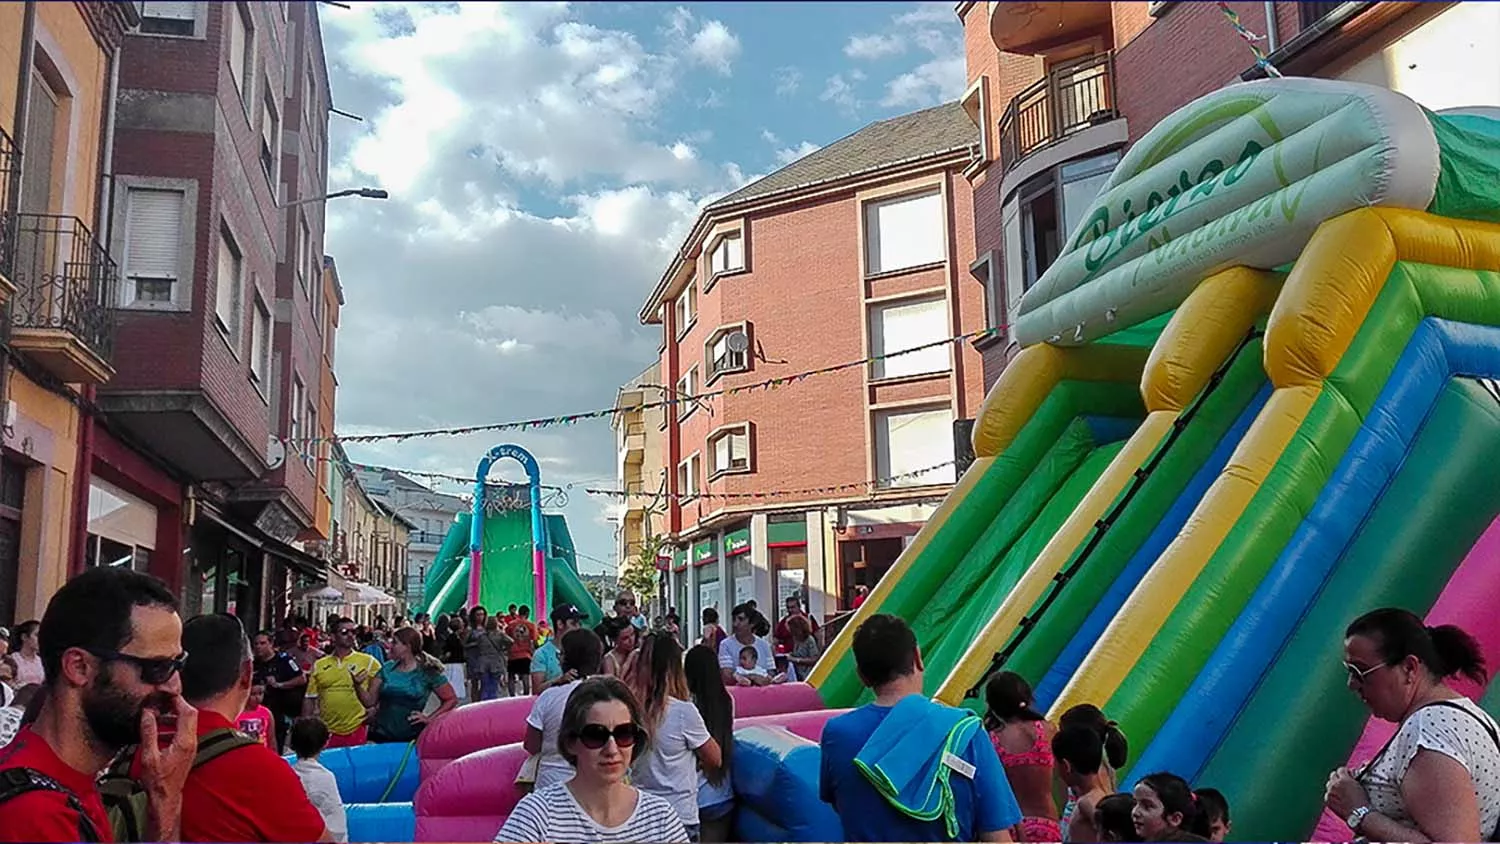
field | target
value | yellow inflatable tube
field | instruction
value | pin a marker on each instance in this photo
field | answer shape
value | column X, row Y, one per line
column 1011, row 402
column 1326, row 298
column 1201, row 335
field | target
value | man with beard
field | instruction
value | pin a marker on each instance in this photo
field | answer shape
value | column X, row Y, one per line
column 111, row 645
column 284, row 682
column 245, row 793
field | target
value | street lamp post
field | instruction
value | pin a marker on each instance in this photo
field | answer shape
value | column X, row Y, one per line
column 364, row 193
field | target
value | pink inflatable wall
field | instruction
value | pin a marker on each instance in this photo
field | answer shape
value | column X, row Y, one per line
column 472, row 728
column 1467, row 601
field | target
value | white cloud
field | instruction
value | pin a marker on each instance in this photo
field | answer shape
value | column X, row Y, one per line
column 937, row 81
column 787, row 155
column 788, row 80
column 840, row 90
column 770, row 137
column 715, row 47
column 874, row 46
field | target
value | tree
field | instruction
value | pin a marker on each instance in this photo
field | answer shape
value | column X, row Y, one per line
column 638, row 574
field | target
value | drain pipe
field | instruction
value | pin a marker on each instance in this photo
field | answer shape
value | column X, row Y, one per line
column 12, row 191
column 1273, row 38
column 104, row 201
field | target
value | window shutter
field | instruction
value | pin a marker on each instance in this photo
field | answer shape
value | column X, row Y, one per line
column 153, row 233
column 723, row 452
column 736, row 249
column 897, row 328
column 229, row 277
column 905, row 232
column 177, row 10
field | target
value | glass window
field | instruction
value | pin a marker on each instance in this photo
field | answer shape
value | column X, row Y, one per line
column 161, row 17
column 687, row 387
column 908, row 325
column 728, row 254
column 241, row 47
column 227, row 289
column 744, row 583
column 260, row 342
column 687, row 308
column 270, row 139
column 724, row 359
column 153, row 240
column 731, row 451
column 904, row 232
column 1081, row 183
column 910, row 445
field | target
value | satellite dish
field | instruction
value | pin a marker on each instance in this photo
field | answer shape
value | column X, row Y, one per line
column 275, row 453
column 737, row 341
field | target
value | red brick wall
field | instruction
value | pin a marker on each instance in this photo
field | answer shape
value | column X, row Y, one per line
column 803, row 297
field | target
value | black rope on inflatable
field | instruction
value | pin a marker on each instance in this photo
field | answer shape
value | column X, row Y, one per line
column 1102, row 526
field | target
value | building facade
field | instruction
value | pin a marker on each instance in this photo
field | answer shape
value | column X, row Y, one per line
column 430, row 514
column 57, row 278
column 640, row 435
column 1058, row 90
column 855, row 252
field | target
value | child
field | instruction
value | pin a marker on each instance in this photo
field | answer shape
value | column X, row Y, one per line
column 1079, row 754
column 308, row 737
column 1164, row 809
column 1213, row 808
column 1114, row 813
column 255, row 721
column 749, row 672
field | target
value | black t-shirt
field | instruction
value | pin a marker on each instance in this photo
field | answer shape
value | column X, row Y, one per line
column 281, row 668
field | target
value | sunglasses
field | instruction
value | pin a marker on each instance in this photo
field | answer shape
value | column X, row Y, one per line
column 153, row 670
column 1358, row 674
column 595, row 736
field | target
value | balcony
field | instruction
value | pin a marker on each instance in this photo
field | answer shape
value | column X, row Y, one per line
column 1071, row 98
column 65, row 284
column 1034, row 27
column 633, row 441
column 10, row 170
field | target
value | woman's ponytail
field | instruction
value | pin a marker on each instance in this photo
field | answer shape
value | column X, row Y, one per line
column 1456, row 652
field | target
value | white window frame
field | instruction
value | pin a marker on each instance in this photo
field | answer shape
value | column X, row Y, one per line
column 164, row 11
column 909, row 365
column 728, row 434
column 686, row 308
column 712, row 356
column 262, row 330
column 270, row 147
column 722, row 247
column 242, row 66
column 687, row 478
column 310, row 455
column 870, row 214
column 294, row 413
column 304, row 248
column 979, row 95
column 130, row 290
column 687, row 385
column 182, row 292
column 229, row 293
column 884, row 469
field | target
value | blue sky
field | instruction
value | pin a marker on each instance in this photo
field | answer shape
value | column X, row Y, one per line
column 544, row 160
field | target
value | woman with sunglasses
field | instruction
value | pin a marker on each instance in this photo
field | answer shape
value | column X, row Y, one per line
column 601, row 734
column 1438, row 778
column 680, row 741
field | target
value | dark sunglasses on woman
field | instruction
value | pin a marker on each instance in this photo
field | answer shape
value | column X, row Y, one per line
column 595, row 736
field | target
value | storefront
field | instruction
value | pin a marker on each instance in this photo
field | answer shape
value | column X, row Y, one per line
column 786, row 544
column 134, row 513
column 705, row 588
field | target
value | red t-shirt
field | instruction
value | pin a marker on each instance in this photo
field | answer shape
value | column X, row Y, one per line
column 44, row 815
column 523, row 638
column 247, row 794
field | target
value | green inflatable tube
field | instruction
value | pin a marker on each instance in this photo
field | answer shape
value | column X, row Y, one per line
column 1000, row 479
column 453, row 554
column 1302, row 720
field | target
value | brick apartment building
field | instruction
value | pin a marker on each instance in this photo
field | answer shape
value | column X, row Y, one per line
column 857, row 250
column 223, row 316
column 1059, row 89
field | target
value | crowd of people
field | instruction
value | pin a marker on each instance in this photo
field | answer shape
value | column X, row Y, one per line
column 127, row 723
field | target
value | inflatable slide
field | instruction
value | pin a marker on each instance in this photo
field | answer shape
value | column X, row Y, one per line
column 1253, row 400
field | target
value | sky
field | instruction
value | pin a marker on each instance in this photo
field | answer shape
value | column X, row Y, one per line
column 544, row 161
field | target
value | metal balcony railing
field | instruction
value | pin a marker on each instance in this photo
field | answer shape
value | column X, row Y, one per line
column 1072, row 96
column 64, row 279
column 10, row 185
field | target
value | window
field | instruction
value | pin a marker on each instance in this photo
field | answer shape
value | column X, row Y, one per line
column 295, row 411
column 904, row 232
column 728, row 351
column 153, row 242
column 907, row 325
column 241, row 48
column 227, row 290
column 976, row 103
column 260, row 343
column 315, row 295
column 270, row 140
column 728, row 255
column 687, row 478
column 731, row 450
column 310, row 102
column 304, row 249
column 1045, row 213
column 687, row 308
column 910, row 445
column 168, row 18
column 687, row 387
column 310, row 454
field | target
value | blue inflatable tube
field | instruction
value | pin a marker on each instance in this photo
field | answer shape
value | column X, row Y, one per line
column 373, row 773
column 776, row 782
column 1438, row 350
column 1171, row 523
column 375, row 822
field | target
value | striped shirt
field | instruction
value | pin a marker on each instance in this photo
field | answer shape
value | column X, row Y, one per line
column 553, row 814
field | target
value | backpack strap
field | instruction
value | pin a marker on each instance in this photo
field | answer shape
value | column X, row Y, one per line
column 212, row 745
column 15, row 782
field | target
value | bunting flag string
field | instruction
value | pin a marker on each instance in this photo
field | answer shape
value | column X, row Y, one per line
column 1261, row 59
column 669, row 402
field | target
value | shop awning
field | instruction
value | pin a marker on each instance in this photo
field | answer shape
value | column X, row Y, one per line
column 365, row 595
column 299, row 560
column 323, row 595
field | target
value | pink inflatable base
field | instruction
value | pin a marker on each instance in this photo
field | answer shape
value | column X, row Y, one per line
column 470, row 729
column 1467, row 601
column 754, row 701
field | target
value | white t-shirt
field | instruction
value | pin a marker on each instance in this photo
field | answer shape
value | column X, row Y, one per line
column 553, row 814
column 28, row 671
column 546, row 715
column 1441, row 729
column 670, row 770
column 729, row 654
column 323, row 792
